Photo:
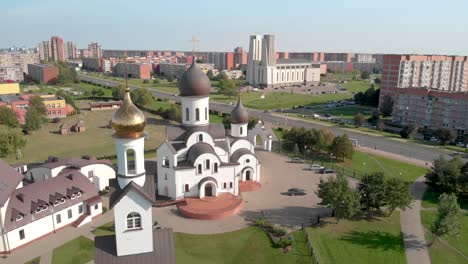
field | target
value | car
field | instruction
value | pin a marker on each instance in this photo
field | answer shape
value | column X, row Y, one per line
column 327, row 171
column 296, row 191
column 433, row 139
column 316, row 167
column 297, row 160
column 461, row 144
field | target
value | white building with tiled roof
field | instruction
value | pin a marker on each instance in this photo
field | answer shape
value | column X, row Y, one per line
column 201, row 159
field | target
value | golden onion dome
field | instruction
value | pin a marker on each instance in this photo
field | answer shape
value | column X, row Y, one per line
column 128, row 121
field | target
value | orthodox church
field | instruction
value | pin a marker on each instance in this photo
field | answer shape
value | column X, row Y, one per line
column 201, row 159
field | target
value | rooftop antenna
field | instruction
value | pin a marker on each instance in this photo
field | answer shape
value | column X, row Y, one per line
column 194, row 40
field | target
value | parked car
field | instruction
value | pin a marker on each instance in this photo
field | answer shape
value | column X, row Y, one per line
column 433, row 139
column 297, row 160
column 316, row 167
column 296, row 191
column 461, row 144
column 327, row 171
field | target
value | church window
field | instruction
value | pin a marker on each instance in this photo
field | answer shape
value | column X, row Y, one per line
column 224, row 185
column 165, row 162
column 19, row 217
column 96, row 206
column 241, row 130
column 133, row 221
column 186, row 188
column 200, row 138
column 58, row 218
column 199, row 168
column 187, row 116
column 230, row 185
column 197, row 114
column 70, row 214
column 80, row 209
column 247, row 161
column 21, row 234
column 216, row 167
column 207, row 164
column 206, row 113
column 130, row 161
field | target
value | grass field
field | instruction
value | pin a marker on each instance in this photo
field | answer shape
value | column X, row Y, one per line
column 104, row 230
column 96, row 141
column 431, row 199
column 249, row 245
column 36, row 260
column 348, row 112
column 77, row 251
column 359, row 241
column 358, row 86
column 441, row 253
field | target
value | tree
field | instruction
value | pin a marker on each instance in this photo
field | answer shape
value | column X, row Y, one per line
column 8, row 117
column 97, row 92
column 372, row 189
column 380, row 125
column 170, row 79
column 34, row 120
column 374, row 119
column 175, row 113
column 222, row 76
column 377, row 81
column 446, row 175
column 67, row 73
column 228, row 87
column 397, row 194
column 359, row 119
column 444, row 135
column 365, row 75
column 11, row 140
column 156, row 81
column 407, row 131
column 328, row 138
column 142, row 97
column 336, row 193
column 210, row 74
column 447, row 221
column 37, row 103
column 342, row 147
column 227, row 121
column 253, row 121
column 386, row 108
column 68, row 99
column 118, row 92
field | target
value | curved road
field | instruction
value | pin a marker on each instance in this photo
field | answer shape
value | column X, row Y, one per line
column 407, row 149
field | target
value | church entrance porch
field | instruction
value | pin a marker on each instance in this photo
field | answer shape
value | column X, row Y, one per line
column 211, row 207
column 208, row 186
column 247, row 175
column 208, row 190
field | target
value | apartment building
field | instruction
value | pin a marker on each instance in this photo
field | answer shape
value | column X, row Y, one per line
column 43, row 73
column 133, row 70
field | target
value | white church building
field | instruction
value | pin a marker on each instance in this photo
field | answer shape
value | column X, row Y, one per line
column 265, row 70
column 201, row 159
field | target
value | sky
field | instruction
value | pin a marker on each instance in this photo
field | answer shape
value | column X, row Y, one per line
column 392, row 26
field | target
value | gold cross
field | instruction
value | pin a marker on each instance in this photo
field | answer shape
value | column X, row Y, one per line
column 194, row 40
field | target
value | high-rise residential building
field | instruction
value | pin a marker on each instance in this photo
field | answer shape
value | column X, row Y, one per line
column 95, row 50
column 133, row 70
column 221, row 60
column 265, row 70
column 57, row 49
column 71, row 51
column 45, row 50
column 240, row 57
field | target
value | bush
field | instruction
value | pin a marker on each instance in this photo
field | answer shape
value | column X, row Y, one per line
column 278, row 231
column 104, row 209
column 145, row 81
column 280, row 129
column 283, row 242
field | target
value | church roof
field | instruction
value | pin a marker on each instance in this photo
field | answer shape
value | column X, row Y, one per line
column 148, row 191
column 194, row 82
column 54, row 162
column 28, row 199
column 9, row 180
column 182, row 133
column 239, row 114
column 198, row 149
column 239, row 153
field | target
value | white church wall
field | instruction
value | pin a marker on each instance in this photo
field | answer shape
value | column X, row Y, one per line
column 102, row 172
column 242, row 143
column 248, row 161
column 193, row 103
column 133, row 241
column 236, row 130
column 55, row 171
column 122, row 146
column 195, row 138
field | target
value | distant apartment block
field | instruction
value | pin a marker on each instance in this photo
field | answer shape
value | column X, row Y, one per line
column 57, row 49
column 71, row 51
column 172, row 69
column 95, row 50
column 13, row 64
column 428, row 90
column 43, row 73
column 97, row 65
column 127, row 53
column 240, row 57
column 221, row 60
column 45, row 51
column 133, row 70
column 11, row 74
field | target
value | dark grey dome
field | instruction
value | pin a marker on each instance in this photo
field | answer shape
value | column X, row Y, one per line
column 239, row 114
column 194, row 82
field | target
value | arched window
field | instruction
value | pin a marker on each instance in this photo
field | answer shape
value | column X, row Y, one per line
column 53, row 105
column 130, row 161
column 224, row 185
column 133, row 221
column 187, row 117
column 206, row 113
column 200, row 138
column 165, row 162
column 230, row 185
column 197, row 114
column 241, row 131
column 199, row 168
column 186, row 188
column 207, row 164
column 216, row 167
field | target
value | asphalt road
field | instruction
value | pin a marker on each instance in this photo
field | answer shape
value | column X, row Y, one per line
column 407, row 149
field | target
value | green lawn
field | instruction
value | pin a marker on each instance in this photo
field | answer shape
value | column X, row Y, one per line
column 358, row 86
column 104, row 230
column 431, row 199
column 359, row 241
column 46, row 142
column 77, row 251
column 348, row 112
column 217, row 119
column 249, row 245
column 443, row 254
column 36, row 260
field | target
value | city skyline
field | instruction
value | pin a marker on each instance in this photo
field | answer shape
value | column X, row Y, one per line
column 335, row 26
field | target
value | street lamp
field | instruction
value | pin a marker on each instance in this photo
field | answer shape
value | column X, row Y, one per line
column 331, row 159
column 305, row 150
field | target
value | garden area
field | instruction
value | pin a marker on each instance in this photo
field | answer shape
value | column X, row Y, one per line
column 77, row 251
column 359, row 240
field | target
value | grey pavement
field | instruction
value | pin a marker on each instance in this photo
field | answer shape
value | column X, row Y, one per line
column 412, row 228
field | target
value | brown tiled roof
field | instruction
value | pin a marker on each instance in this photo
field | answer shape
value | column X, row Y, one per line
column 27, row 199
column 148, row 190
column 163, row 250
column 182, row 133
column 9, row 180
column 74, row 162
